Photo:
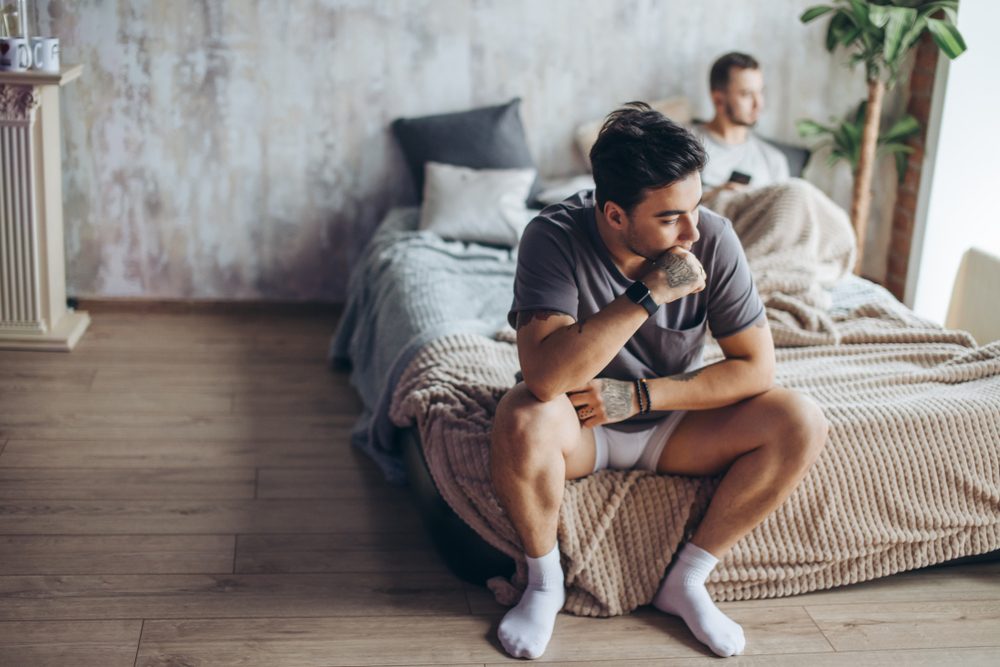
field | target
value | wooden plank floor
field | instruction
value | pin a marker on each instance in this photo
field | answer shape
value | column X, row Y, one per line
column 180, row 490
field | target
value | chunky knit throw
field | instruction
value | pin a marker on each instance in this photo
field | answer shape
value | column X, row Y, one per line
column 910, row 475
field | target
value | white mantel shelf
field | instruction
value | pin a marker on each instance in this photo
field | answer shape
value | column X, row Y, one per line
column 33, row 312
column 36, row 78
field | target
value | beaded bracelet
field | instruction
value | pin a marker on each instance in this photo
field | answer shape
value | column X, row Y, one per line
column 645, row 391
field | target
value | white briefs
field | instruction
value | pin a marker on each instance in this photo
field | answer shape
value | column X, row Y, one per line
column 620, row 450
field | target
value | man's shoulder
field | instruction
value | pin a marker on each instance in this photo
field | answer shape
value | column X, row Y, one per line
column 766, row 146
column 566, row 217
column 712, row 224
column 717, row 234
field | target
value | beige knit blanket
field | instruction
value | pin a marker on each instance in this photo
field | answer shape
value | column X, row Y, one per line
column 797, row 243
column 910, row 476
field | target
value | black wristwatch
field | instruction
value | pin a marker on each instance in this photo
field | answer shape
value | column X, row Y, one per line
column 638, row 293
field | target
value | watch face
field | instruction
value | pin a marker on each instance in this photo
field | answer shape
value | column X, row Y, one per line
column 637, row 291
column 639, row 294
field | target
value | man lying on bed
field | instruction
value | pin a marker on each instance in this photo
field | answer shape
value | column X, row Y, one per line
column 614, row 290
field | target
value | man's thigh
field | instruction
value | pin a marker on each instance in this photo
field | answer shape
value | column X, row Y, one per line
column 706, row 442
column 580, row 461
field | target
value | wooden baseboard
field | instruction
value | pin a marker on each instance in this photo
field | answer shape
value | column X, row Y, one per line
column 204, row 306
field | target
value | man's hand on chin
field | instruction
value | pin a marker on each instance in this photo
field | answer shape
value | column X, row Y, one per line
column 673, row 275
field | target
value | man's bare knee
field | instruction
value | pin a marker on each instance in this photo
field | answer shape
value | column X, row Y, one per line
column 525, row 428
column 801, row 429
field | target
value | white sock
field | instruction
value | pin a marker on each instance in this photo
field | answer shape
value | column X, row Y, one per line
column 526, row 629
column 683, row 594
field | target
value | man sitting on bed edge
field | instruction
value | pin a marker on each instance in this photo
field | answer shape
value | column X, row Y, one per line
column 614, row 292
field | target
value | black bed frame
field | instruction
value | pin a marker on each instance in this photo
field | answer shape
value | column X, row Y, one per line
column 465, row 553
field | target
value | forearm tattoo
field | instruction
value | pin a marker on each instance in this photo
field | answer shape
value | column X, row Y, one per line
column 678, row 271
column 617, row 397
column 687, row 377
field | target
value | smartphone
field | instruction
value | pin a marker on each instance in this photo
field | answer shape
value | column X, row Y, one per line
column 739, row 177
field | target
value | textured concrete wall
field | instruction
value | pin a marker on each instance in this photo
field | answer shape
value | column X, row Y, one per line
column 238, row 149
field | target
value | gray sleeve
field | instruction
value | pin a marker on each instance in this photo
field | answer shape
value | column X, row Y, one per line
column 545, row 278
column 733, row 302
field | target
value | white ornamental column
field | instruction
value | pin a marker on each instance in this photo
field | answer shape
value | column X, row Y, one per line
column 33, row 312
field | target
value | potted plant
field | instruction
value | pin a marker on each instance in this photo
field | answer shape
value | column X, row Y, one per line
column 880, row 34
column 844, row 138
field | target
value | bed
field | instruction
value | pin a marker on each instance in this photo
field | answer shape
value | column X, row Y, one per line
column 910, row 476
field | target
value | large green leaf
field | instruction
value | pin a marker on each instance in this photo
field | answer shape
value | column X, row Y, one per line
column 889, row 149
column 849, row 35
column 853, row 140
column 902, row 161
column 879, row 15
column 815, row 12
column 860, row 113
column 900, row 153
column 839, row 25
column 859, row 12
column 949, row 7
column 809, row 128
column 901, row 129
column 899, row 22
column 913, row 34
column 947, row 37
column 841, row 141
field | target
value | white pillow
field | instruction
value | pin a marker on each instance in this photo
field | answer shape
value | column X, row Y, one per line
column 677, row 109
column 556, row 190
column 476, row 205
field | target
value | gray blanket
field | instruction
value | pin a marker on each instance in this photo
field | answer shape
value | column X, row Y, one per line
column 410, row 288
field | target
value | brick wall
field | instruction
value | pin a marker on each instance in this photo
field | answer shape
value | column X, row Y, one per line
column 921, row 87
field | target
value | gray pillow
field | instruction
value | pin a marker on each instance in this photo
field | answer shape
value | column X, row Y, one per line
column 483, row 138
column 797, row 156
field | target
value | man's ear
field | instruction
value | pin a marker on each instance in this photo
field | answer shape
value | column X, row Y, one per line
column 718, row 99
column 615, row 215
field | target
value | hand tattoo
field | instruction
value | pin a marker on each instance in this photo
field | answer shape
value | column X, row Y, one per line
column 617, row 397
column 678, row 271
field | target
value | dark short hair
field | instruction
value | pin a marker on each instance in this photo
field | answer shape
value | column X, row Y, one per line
column 640, row 149
column 718, row 79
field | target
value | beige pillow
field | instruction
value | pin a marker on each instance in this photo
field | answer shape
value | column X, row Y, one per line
column 677, row 109
column 476, row 205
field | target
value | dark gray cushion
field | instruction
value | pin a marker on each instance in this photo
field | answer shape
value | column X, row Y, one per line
column 483, row 138
column 797, row 157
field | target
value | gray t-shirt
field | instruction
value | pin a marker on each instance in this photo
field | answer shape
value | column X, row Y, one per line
column 563, row 265
column 766, row 164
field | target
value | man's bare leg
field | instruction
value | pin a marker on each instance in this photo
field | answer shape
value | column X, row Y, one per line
column 536, row 447
column 768, row 443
